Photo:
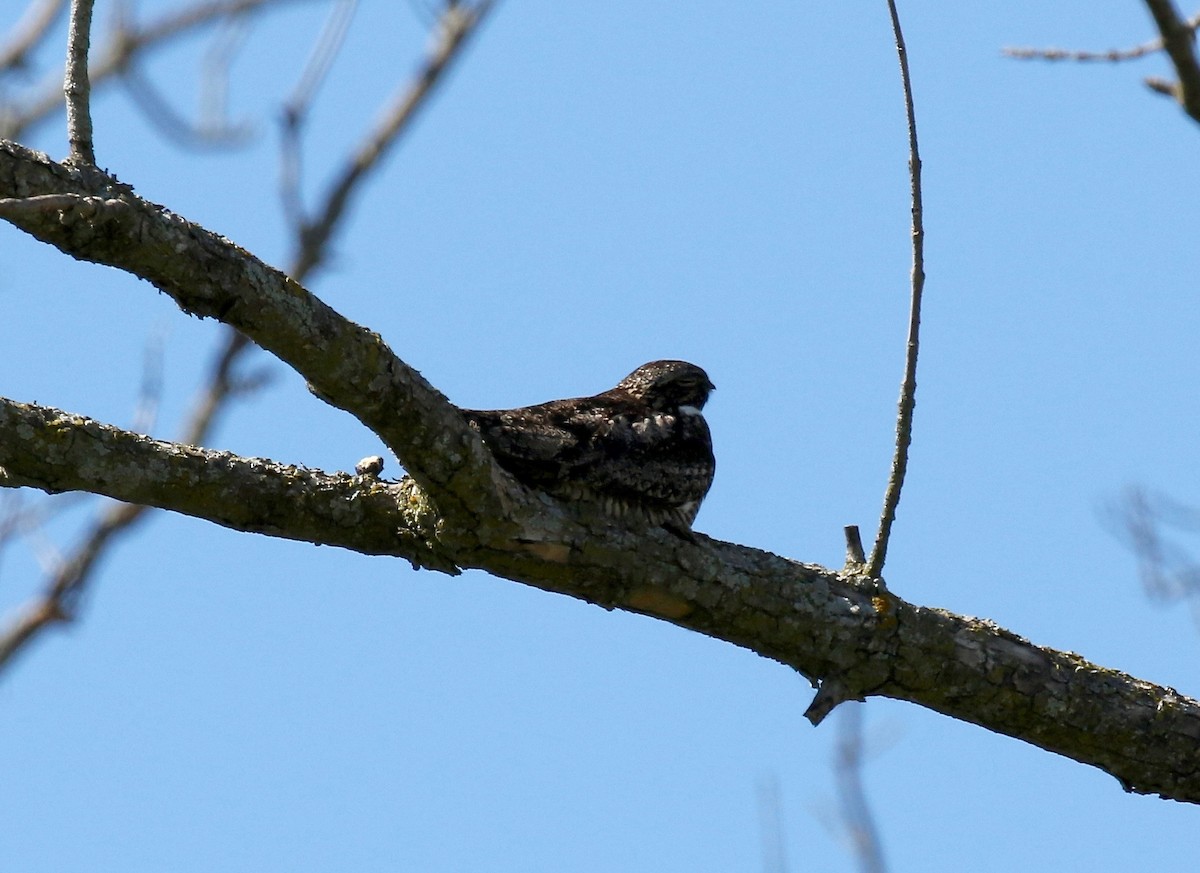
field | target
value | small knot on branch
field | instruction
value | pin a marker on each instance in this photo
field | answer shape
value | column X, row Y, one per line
column 832, row 692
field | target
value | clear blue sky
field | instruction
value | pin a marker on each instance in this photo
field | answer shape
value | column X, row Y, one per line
column 601, row 185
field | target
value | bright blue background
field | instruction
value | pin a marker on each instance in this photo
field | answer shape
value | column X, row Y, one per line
column 597, row 186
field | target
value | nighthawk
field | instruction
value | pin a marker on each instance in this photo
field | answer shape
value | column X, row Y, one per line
column 640, row 452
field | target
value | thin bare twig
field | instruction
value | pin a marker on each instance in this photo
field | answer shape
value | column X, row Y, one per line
column 1153, row 526
column 77, row 87
column 908, row 388
column 1110, row 56
column 457, row 23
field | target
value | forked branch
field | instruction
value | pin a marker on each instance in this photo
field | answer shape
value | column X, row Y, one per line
column 1179, row 40
column 823, row 624
column 313, row 238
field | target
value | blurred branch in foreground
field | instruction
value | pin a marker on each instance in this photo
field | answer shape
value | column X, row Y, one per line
column 115, row 54
column 856, row 819
column 1151, row 524
column 29, row 33
column 770, row 817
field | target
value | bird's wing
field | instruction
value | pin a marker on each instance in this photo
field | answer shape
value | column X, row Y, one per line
column 540, row 445
column 605, row 444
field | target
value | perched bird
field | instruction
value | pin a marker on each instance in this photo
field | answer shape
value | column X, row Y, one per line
column 640, row 452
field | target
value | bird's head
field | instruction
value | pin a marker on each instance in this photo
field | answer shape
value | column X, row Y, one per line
column 669, row 385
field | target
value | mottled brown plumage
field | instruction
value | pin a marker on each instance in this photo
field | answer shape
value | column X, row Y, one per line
column 641, row 452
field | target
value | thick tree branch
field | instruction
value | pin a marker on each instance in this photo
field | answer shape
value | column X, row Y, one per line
column 56, row 451
column 209, row 276
column 843, row 630
column 840, row 629
column 63, row 589
column 829, row 626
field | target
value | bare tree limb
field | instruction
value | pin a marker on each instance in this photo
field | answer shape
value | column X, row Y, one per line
column 908, row 388
column 215, row 74
column 1179, row 40
column 57, row 451
column 222, row 384
column 64, row 452
column 855, row 559
column 77, row 87
column 828, row 626
column 210, row 277
column 819, row 622
column 65, row 587
column 1109, row 56
column 63, row 590
column 320, row 61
